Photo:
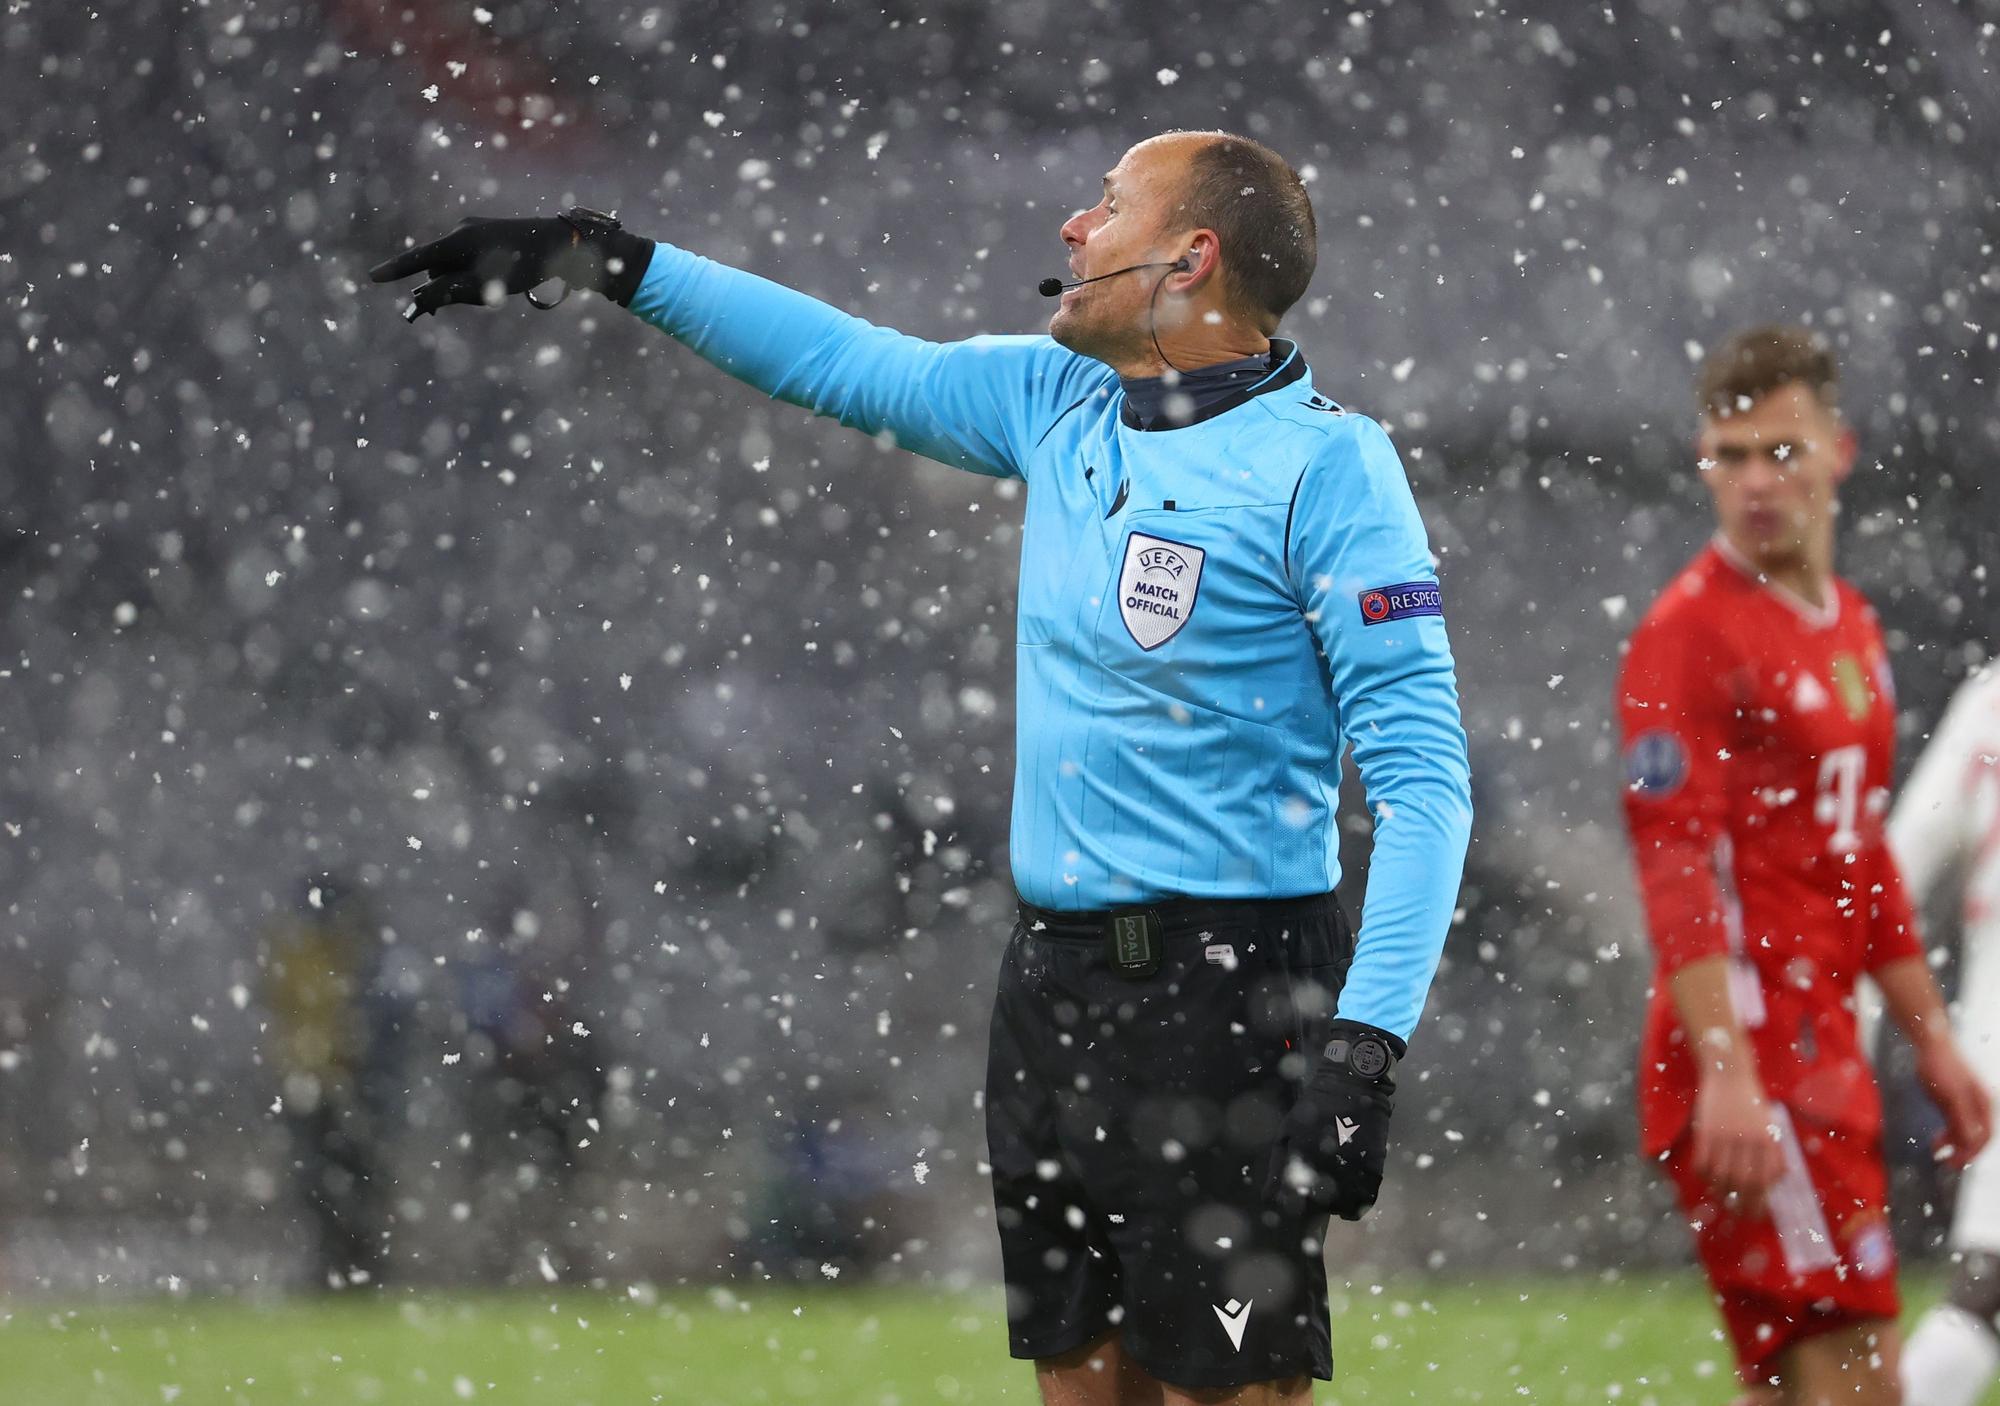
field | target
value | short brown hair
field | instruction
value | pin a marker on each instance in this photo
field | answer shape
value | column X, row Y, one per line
column 1759, row 360
column 1257, row 205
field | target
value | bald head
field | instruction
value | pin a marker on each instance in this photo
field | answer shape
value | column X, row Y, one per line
column 1219, row 233
column 1257, row 206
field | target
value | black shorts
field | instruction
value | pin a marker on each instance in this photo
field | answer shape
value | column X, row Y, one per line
column 1130, row 1124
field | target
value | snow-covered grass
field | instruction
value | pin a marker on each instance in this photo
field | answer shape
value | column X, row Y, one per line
column 1579, row 1340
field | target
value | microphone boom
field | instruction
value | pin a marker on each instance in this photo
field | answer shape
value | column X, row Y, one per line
column 1055, row 287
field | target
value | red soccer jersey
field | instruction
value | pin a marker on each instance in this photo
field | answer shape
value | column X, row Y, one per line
column 1759, row 735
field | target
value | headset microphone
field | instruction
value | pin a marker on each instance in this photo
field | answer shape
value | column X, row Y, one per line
column 1055, row 287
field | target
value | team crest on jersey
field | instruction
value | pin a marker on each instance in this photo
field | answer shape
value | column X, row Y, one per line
column 1655, row 763
column 1156, row 588
column 1850, row 681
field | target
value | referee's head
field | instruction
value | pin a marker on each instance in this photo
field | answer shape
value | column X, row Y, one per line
column 1232, row 209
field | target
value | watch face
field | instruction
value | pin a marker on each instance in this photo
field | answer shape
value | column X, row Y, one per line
column 1368, row 1058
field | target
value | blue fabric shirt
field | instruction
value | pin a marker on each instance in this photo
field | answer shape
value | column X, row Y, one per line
column 1208, row 615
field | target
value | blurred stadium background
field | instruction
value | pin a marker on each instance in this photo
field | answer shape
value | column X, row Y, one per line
column 657, row 738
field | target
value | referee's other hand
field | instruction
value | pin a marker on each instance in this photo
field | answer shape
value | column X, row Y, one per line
column 1334, row 1144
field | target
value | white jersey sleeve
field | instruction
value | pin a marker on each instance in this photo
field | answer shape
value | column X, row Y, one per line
column 1932, row 822
column 1944, row 824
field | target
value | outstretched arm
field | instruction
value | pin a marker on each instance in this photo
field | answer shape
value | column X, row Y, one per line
column 981, row 404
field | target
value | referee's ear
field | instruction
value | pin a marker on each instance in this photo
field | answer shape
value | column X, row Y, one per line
column 1200, row 264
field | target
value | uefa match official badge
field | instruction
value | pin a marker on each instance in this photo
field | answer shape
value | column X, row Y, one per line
column 1156, row 588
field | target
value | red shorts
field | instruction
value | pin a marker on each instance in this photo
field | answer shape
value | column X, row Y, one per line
column 1819, row 1258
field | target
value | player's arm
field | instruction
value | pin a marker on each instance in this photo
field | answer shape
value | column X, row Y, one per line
column 1735, row 1148
column 1927, row 829
column 979, row 404
column 1910, row 994
column 1674, row 716
column 1927, row 832
column 1897, row 961
column 1354, row 533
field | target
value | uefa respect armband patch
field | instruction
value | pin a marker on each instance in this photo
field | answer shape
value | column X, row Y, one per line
column 1386, row 603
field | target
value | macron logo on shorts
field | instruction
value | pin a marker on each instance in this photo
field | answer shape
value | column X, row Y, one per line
column 1235, row 1319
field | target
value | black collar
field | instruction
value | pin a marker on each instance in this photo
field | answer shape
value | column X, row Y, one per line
column 1202, row 394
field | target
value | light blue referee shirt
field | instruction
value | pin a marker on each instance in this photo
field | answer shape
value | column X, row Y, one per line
column 1207, row 615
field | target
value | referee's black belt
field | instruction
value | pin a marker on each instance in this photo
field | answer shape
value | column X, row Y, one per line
column 1135, row 938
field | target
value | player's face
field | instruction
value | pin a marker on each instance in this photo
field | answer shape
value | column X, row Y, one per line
column 1774, row 469
column 1108, row 320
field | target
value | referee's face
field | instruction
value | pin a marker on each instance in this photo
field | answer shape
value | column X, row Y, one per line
column 1127, row 226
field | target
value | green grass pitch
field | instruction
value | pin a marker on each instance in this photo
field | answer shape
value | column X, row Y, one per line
column 1579, row 1340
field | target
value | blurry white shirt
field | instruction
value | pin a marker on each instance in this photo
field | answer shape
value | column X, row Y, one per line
column 1947, row 821
column 1946, row 828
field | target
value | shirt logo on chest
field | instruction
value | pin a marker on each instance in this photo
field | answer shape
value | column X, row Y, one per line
column 1156, row 587
column 1852, row 682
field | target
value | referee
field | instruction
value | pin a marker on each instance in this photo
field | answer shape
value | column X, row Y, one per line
column 1224, row 583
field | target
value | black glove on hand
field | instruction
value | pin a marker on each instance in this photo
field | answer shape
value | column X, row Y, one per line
column 1335, row 1141
column 581, row 247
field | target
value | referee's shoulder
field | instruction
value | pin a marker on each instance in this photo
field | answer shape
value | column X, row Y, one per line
column 1317, row 430
column 1042, row 357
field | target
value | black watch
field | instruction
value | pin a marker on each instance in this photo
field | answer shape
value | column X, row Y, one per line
column 1362, row 1055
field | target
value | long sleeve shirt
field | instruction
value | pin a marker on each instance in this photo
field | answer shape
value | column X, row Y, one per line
column 1759, row 738
column 1208, row 616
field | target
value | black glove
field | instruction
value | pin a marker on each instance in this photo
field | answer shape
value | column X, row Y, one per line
column 1335, row 1140
column 583, row 248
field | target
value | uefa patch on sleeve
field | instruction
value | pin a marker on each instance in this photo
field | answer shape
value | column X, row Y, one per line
column 1655, row 763
column 1386, row 603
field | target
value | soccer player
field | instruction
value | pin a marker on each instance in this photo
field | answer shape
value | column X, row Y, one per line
column 1758, row 720
column 1223, row 583
column 1945, row 832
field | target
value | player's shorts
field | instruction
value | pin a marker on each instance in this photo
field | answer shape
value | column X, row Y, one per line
column 1820, row 1258
column 1130, row 1121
